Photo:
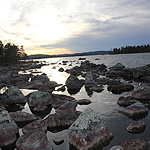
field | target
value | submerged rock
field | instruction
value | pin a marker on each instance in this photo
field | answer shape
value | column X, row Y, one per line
column 8, row 130
column 40, row 100
column 36, row 140
column 137, row 127
column 22, row 118
column 135, row 144
column 88, row 132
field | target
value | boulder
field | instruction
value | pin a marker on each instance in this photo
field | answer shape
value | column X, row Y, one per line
column 60, row 99
column 8, row 131
column 137, row 127
column 141, row 71
column 142, row 94
column 135, row 144
column 22, row 118
column 127, row 73
column 36, row 140
column 73, row 83
column 123, row 101
column 89, row 81
column 117, row 67
column 61, row 70
column 40, row 100
column 134, row 111
column 37, row 124
column 83, row 101
column 88, row 132
column 12, row 96
column 119, row 88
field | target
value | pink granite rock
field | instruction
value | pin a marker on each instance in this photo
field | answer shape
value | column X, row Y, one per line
column 88, row 132
column 8, row 130
column 36, row 140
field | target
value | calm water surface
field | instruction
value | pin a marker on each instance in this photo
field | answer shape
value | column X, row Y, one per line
column 104, row 103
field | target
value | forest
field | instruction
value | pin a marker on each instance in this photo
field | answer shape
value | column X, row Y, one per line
column 11, row 53
column 131, row 49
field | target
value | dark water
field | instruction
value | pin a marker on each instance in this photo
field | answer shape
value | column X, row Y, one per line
column 104, row 103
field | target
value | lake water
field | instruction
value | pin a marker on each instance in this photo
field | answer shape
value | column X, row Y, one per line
column 104, row 103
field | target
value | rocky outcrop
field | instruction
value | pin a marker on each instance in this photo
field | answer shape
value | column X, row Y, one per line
column 8, row 131
column 88, row 132
column 137, row 127
column 135, row 144
column 22, row 118
column 36, row 140
column 39, row 100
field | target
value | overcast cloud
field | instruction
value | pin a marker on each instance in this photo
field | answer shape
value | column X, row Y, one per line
column 75, row 26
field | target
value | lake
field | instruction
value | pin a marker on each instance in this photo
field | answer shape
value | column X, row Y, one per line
column 103, row 103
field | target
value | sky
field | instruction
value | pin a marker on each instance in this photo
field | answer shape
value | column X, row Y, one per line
column 72, row 26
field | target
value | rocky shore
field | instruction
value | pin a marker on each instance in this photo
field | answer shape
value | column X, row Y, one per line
column 86, row 130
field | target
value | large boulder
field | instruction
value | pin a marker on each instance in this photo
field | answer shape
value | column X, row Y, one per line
column 12, row 96
column 36, row 140
column 39, row 100
column 73, row 83
column 117, row 67
column 8, row 130
column 22, row 118
column 88, row 132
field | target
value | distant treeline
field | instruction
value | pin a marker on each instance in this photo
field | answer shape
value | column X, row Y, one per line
column 11, row 53
column 131, row 49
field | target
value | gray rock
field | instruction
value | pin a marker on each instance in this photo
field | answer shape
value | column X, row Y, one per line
column 117, row 67
column 40, row 100
column 89, row 81
column 13, row 96
column 88, row 132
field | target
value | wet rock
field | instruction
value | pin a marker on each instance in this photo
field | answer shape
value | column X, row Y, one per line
column 96, row 88
column 60, row 99
column 122, row 101
column 127, row 73
column 119, row 88
column 134, row 111
column 40, row 100
column 116, row 148
column 58, row 142
column 12, row 96
column 37, row 124
column 8, row 131
column 89, row 81
column 141, row 71
column 22, row 118
column 137, row 127
column 61, row 120
column 88, row 132
column 73, row 83
column 61, row 70
column 36, row 140
column 83, row 101
column 135, row 144
column 142, row 95
column 117, row 67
